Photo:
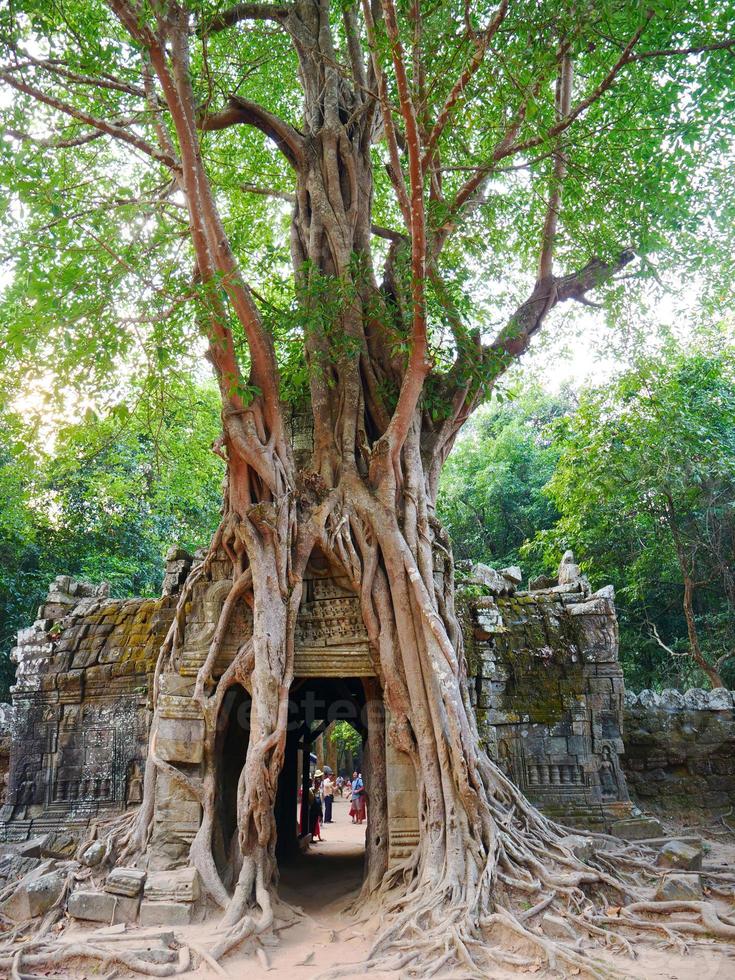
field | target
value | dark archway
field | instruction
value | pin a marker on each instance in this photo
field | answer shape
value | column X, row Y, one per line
column 232, row 745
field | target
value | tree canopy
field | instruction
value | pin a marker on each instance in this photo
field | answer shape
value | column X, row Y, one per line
column 645, row 485
column 104, row 501
column 95, row 240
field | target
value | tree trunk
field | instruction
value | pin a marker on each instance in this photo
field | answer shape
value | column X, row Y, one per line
column 694, row 647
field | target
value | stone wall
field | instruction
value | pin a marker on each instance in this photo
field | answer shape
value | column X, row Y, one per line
column 80, row 707
column 548, row 691
column 680, row 749
column 6, row 738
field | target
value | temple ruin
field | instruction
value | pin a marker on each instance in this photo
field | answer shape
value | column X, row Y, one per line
column 546, row 686
column 544, row 681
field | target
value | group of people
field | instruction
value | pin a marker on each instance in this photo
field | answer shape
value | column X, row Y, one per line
column 321, row 799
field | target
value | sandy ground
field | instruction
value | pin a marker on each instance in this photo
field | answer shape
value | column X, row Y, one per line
column 325, row 881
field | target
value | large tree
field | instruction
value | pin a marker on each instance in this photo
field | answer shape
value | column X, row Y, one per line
column 436, row 158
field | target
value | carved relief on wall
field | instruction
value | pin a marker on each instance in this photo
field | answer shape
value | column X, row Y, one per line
column 608, row 773
column 330, row 614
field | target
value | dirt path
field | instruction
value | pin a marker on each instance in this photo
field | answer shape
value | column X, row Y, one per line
column 322, row 883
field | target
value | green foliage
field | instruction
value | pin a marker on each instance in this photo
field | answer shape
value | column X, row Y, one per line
column 345, row 737
column 96, row 260
column 645, row 485
column 491, row 496
column 105, row 502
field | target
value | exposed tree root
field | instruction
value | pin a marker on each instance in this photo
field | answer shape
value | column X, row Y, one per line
column 57, row 955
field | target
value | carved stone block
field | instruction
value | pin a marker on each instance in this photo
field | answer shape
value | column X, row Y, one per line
column 180, row 739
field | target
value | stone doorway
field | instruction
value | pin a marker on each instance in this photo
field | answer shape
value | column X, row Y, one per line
column 320, row 871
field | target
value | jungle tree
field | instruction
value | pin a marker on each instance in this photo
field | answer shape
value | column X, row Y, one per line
column 436, row 157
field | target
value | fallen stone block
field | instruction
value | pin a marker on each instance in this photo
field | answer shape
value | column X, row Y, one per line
column 93, row 854
column 173, row 886
column 92, row 906
column 60, row 844
column 13, row 868
column 512, row 574
column 679, row 888
column 677, row 854
column 30, row 848
column 637, row 828
column 125, row 881
column 165, row 913
column 102, row 907
column 34, row 896
column 45, row 892
column 490, row 578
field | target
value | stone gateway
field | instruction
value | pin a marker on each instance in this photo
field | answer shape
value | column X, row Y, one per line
column 546, row 687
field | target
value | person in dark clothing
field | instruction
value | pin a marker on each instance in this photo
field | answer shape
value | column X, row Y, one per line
column 315, row 808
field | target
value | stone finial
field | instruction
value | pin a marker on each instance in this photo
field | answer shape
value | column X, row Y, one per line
column 569, row 570
column 650, row 699
column 720, row 699
column 672, row 699
column 696, row 699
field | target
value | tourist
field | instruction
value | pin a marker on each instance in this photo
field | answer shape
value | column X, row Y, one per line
column 339, row 785
column 357, row 809
column 315, row 807
column 327, row 797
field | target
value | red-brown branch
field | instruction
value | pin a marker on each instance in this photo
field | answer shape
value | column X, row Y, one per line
column 391, row 136
column 483, row 40
column 418, row 365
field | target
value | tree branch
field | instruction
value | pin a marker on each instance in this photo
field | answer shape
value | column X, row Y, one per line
column 563, row 100
column 726, row 45
column 593, row 97
column 247, row 11
column 57, row 67
column 243, row 112
column 394, row 170
column 514, row 339
column 506, row 147
column 53, row 144
column 418, row 364
column 109, row 128
column 482, row 41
